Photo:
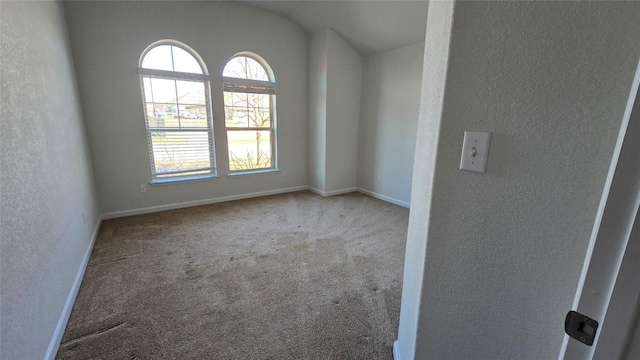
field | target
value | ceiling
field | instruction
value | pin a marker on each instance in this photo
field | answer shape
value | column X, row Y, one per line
column 368, row 26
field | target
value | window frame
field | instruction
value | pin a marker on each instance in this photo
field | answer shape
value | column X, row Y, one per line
column 250, row 86
column 204, row 78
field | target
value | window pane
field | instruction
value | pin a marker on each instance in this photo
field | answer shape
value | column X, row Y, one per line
column 152, row 119
column 255, row 71
column 258, row 110
column 165, row 116
column 175, row 151
column 236, row 68
column 249, row 149
column 163, row 91
column 191, row 92
column 146, row 82
column 193, row 116
column 247, row 110
column 158, row 58
column 236, row 117
column 236, row 112
column 185, row 62
column 239, row 99
column 244, row 67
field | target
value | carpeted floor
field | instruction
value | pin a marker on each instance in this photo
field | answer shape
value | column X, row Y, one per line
column 292, row 276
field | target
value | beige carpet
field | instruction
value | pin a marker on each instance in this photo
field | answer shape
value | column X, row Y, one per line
column 293, row 276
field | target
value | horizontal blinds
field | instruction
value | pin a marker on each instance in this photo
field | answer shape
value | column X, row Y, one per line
column 249, row 86
column 179, row 131
column 179, row 152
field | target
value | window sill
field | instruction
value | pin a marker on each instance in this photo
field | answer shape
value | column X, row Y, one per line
column 253, row 172
column 175, row 180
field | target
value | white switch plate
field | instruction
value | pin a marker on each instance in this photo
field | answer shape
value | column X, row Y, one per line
column 475, row 151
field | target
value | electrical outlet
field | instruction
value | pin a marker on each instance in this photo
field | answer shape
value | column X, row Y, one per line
column 143, row 188
column 378, row 178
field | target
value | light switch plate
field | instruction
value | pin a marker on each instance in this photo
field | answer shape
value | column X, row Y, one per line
column 475, row 151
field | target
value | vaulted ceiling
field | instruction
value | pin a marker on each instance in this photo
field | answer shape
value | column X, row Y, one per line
column 368, row 26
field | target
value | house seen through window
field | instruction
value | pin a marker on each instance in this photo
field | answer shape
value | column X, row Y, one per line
column 177, row 111
column 249, row 107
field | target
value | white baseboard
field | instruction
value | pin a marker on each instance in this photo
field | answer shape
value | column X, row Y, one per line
column 152, row 209
column 384, row 197
column 341, row 191
column 333, row 192
column 396, row 351
column 364, row 191
column 317, row 191
column 68, row 305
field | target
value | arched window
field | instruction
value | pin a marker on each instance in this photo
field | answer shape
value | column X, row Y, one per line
column 249, row 108
column 177, row 109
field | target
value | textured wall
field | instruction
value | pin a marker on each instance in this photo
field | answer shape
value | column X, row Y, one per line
column 434, row 72
column 107, row 39
column 389, row 120
column 344, row 84
column 619, row 336
column 318, row 108
column 46, row 183
column 504, row 250
column 608, row 289
column 335, row 76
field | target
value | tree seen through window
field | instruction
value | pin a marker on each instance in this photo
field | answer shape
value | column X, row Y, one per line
column 249, row 94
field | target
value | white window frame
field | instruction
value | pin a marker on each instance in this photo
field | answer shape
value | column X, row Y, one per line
column 174, row 176
column 231, row 84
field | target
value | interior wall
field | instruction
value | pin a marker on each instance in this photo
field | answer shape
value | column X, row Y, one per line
column 633, row 351
column 335, row 80
column 107, row 39
column 508, row 245
column 434, row 74
column 318, row 108
column 619, row 336
column 49, row 209
column 344, row 84
column 388, row 121
column 611, row 291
